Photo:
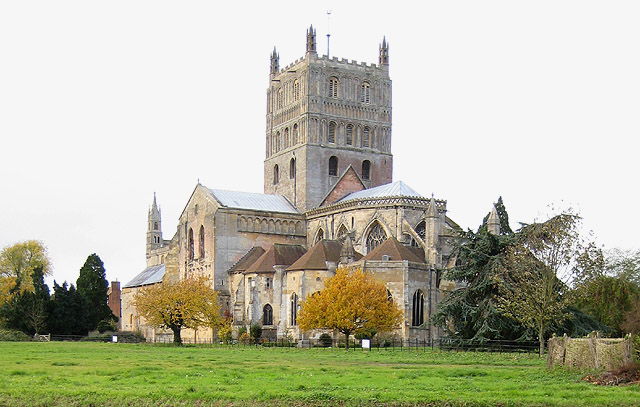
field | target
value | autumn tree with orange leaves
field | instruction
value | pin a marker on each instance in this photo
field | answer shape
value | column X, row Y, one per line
column 188, row 303
column 350, row 303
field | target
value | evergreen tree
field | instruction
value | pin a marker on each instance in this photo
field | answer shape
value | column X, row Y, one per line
column 92, row 285
column 472, row 312
column 68, row 311
column 28, row 311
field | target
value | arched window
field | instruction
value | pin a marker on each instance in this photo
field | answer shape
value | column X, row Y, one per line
column 292, row 168
column 319, row 236
column 267, row 315
column 365, row 92
column 201, row 241
column 277, row 143
column 333, row 166
column 366, row 170
column 417, row 311
column 331, row 134
column 276, row 175
column 191, row 254
column 287, row 141
column 375, row 237
column 155, row 225
column 349, row 135
column 421, row 231
column 333, row 87
column 342, row 232
column 294, row 309
column 296, row 90
column 295, row 134
column 366, row 134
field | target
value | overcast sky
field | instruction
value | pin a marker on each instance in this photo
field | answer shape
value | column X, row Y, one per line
column 104, row 103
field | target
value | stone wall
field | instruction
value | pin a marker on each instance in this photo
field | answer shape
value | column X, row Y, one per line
column 589, row 353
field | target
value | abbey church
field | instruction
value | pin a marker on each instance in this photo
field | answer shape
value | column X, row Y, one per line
column 329, row 200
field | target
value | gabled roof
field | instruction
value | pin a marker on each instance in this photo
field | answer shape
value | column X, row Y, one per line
column 247, row 260
column 317, row 257
column 348, row 182
column 396, row 251
column 277, row 255
column 253, row 201
column 150, row 275
column 397, row 188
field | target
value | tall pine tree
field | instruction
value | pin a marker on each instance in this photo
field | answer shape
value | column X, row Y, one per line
column 92, row 285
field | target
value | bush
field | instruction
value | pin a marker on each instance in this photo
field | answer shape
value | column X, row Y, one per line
column 13, row 336
column 224, row 333
column 245, row 338
column 325, row 340
column 256, row 331
column 107, row 325
column 123, row 337
column 241, row 331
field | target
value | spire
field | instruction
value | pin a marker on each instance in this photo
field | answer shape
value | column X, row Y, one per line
column 311, row 40
column 384, row 52
column 493, row 223
column 347, row 254
column 432, row 210
column 275, row 64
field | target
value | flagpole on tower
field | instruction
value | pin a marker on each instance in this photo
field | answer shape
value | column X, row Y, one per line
column 328, row 30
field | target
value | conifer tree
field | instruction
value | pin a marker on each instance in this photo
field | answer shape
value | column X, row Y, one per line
column 92, row 285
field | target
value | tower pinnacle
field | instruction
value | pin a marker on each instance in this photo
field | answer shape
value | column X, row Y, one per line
column 311, row 40
column 275, row 62
column 384, row 52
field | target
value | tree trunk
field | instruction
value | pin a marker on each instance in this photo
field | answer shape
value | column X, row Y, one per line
column 177, row 340
column 541, row 339
column 346, row 336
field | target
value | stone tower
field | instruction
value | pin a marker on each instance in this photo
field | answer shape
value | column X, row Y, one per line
column 324, row 115
column 154, row 228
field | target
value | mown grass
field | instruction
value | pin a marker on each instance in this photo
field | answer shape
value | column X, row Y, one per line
column 105, row 374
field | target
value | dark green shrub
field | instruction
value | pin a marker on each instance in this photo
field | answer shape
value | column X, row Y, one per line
column 107, row 325
column 325, row 340
column 13, row 336
column 242, row 330
column 256, row 331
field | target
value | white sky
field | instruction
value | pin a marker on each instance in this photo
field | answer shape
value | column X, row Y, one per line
column 103, row 103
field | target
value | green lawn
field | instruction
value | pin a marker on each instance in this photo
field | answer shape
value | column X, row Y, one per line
column 97, row 374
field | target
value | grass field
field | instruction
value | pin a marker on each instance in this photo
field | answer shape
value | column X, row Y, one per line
column 106, row 374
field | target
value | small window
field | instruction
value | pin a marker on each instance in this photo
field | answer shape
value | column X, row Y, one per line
column 294, row 309
column 201, row 242
column 417, row 311
column 365, row 137
column 292, row 168
column 349, row 135
column 342, row 232
column 287, row 141
column 276, row 143
column 333, row 166
column 191, row 251
column 331, row 135
column 319, row 236
column 365, row 92
column 276, row 175
column 155, row 225
column 366, row 170
column 268, row 283
column 333, row 87
column 267, row 315
column 295, row 134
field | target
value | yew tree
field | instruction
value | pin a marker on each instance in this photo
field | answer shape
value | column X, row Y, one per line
column 350, row 303
column 189, row 303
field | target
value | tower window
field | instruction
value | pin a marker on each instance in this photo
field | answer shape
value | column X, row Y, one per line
column 276, row 175
column 366, row 170
column 191, row 252
column 349, row 135
column 286, row 138
column 333, row 87
column 276, row 143
column 365, row 92
column 333, row 166
column 366, row 134
column 295, row 134
column 292, row 168
column 331, row 135
column 280, row 99
column 319, row 236
column 155, row 225
column 201, row 242
column 296, row 90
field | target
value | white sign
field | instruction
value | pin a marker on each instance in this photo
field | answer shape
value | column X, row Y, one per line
column 114, row 338
column 366, row 344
